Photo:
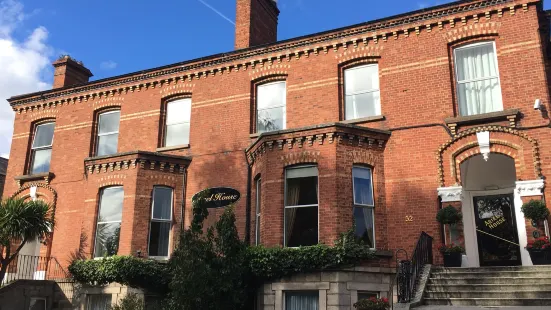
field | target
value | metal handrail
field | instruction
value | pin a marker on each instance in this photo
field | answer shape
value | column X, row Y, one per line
column 29, row 267
column 409, row 271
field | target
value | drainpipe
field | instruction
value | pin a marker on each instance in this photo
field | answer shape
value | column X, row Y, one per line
column 248, row 203
column 183, row 210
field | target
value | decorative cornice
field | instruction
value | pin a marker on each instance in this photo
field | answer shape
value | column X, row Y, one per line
column 530, row 188
column 303, row 138
column 137, row 159
column 349, row 37
column 46, row 177
column 450, row 194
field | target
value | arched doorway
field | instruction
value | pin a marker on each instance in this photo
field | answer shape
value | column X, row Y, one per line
column 491, row 211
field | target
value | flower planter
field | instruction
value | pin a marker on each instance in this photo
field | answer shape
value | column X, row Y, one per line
column 540, row 257
column 452, row 259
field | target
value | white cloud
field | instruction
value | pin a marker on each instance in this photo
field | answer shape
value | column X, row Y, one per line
column 5, row 155
column 23, row 63
column 108, row 65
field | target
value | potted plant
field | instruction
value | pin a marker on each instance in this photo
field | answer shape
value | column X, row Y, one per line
column 535, row 210
column 452, row 254
column 540, row 251
column 372, row 304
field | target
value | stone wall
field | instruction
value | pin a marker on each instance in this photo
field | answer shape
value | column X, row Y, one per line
column 20, row 294
column 338, row 290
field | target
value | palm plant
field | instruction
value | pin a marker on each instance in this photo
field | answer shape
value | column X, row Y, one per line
column 21, row 221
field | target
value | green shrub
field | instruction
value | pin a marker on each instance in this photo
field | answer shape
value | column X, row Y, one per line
column 448, row 215
column 372, row 304
column 127, row 270
column 535, row 210
column 130, row 302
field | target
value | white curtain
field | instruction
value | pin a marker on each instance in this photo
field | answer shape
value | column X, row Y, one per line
column 478, row 79
column 297, row 301
column 99, row 302
column 293, row 194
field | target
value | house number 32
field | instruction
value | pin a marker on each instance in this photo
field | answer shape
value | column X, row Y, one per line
column 409, row 218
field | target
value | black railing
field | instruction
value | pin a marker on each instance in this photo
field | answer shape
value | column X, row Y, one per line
column 408, row 271
column 27, row 267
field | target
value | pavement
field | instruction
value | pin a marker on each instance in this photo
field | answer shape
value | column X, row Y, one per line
column 480, row 308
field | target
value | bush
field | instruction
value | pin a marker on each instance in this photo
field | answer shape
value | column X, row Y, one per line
column 451, row 248
column 127, row 270
column 535, row 210
column 372, row 304
column 130, row 302
column 448, row 215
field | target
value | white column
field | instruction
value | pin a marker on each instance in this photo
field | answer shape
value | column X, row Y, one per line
column 525, row 189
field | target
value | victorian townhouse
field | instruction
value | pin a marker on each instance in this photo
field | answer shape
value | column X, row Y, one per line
column 379, row 124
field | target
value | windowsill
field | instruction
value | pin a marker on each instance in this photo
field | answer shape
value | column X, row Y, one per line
column 160, row 259
column 482, row 118
column 173, row 148
column 255, row 135
column 34, row 177
column 364, row 119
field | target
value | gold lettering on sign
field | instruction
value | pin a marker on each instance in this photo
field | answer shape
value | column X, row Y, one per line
column 409, row 218
column 220, row 197
column 494, row 221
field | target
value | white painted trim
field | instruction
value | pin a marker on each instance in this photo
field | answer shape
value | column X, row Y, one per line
column 484, row 143
column 530, row 188
column 451, row 193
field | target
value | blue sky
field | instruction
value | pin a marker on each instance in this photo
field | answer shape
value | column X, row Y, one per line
column 121, row 36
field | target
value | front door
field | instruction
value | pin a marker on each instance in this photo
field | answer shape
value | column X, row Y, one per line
column 496, row 230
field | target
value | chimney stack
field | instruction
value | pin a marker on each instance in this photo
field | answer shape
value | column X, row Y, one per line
column 69, row 72
column 255, row 23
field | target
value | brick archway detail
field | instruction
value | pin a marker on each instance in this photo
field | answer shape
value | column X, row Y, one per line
column 42, row 185
column 305, row 157
column 497, row 146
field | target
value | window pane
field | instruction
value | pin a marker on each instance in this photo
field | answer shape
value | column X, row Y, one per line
column 107, row 239
column 159, row 239
column 301, row 226
column 363, row 190
column 178, row 111
column 476, row 62
column 271, row 95
column 162, row 203
column 362, row 105
column 44, row 135
column 41, row 161
column 99, row 302
column 302, row 172
column 363, row 220
column 111, row 204
column 302, row 300
column 367, row 295
column 109, row 122
column 107, row 145
column 271, row 119
column 302, row 191
column 37, row 304
column 361, row 79
column 480, row 97
column 177, row 134
column 258, row 201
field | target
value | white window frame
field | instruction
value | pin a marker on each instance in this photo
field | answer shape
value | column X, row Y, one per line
column 34, row 149
column 257, row 210
column 457, row 82
column 284, row 105
column 358, row 205
column 285, row 206
column 107, row 133
column 176, row 101
column 362, row 92
column 106, row 222
column 152, row 219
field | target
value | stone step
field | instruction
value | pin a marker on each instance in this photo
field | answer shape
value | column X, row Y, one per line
column 491, row 280
column 542, row 268
column 489, row 294
column 488, row 287
column 488, row 302
column 483, row 274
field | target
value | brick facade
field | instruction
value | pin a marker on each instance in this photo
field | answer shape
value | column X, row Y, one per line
column 414, row 147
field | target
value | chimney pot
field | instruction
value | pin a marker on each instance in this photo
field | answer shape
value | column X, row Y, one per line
column 69, row 72
column 255, row 23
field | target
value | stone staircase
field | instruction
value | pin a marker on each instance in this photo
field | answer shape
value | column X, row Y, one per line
column 489, row 286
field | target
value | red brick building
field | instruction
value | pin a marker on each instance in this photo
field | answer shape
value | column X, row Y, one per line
column 383, row 122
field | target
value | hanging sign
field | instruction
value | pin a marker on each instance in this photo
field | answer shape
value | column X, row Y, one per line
column 217, row 197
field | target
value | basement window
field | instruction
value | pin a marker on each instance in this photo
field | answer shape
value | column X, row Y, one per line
column 302, row 300
column 99, row 302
